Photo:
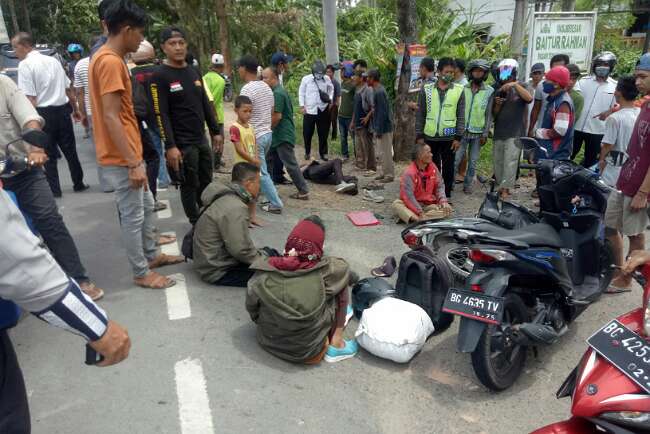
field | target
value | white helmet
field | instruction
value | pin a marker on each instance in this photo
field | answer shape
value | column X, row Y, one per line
column 217, row 59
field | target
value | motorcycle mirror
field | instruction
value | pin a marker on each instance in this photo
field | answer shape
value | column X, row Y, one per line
column 529, row 144
column 35, row 137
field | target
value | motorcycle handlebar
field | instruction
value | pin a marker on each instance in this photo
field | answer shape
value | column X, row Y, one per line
column 528, row 166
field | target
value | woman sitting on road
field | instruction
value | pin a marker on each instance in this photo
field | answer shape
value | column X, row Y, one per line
column 299, row 301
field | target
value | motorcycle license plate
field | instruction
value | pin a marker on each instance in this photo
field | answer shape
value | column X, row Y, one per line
column 626, row 350
column 474, row 305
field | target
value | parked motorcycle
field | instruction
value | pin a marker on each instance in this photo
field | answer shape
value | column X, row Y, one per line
column 227, row 91
column 527, row 285
column 494, row 215
column 610, row 387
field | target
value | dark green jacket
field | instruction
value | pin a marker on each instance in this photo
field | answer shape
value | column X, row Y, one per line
column 221, row 236
column 295, row 310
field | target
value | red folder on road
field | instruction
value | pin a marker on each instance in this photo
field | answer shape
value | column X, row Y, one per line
column 362, row 218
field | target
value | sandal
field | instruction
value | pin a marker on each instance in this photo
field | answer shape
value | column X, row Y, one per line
column 387, row 269
column 300, row 196
column 154, row 281
column 611, row 290
column 163, row 260
column 271, row 209
column 166, row 239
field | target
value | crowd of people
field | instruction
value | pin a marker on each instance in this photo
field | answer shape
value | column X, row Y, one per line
column 160, row 123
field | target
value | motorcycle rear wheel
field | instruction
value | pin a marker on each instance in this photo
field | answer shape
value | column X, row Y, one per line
column 497, row 360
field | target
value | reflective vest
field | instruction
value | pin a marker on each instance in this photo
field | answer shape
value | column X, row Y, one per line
column 475, row 106
column 441, row 118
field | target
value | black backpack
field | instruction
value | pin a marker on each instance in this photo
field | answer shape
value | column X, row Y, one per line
column 423, row 279
column 187, row 247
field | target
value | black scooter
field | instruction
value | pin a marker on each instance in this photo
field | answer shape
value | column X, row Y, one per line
column 528, row 285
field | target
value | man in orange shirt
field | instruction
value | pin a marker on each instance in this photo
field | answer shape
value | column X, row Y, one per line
column 117, row 140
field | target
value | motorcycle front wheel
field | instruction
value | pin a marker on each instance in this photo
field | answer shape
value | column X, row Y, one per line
column 498, row 360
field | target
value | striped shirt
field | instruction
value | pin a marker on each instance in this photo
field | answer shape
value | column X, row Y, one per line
column 262, row 97
column 81, row 81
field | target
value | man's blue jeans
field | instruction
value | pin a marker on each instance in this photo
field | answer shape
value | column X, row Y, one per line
column 344, row 129
column 163, row 175
column 474, row 145
column 268, row 188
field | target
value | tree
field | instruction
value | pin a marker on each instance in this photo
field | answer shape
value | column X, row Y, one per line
column 224, row 34
column 14, row 18
column 404, row 136
column 28, row 21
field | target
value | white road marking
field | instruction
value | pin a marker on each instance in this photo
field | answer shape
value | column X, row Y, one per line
column 193, row 402
column 171, row 248
column 167, row 212
column 178, row 303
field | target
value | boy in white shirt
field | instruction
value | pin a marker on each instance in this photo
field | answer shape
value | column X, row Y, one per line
column 618, row 129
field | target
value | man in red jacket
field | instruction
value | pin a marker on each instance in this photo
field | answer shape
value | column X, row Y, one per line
column 422, row 190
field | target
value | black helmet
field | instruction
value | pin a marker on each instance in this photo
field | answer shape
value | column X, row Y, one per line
column 318, row 68
column 605, row 57
column 478, row 63
column 367, row 291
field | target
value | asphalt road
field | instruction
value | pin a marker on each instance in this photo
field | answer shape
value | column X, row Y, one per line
column 204, row 372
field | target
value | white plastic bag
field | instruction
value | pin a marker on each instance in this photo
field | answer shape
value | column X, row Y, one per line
column 394, row 329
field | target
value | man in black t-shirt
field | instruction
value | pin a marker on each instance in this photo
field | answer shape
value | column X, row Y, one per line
column 182, row 110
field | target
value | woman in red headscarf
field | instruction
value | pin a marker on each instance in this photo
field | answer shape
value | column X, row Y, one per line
column 299, row 300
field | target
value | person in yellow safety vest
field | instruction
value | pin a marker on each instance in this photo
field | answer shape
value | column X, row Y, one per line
column 440, row 119
column 215, row 86
column 478, row 117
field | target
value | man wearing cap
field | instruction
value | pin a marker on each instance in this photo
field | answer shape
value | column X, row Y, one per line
column 346, row 108
column 182, row 110
column 626, row 209
column 216, row 85
column 539, row 106
column 555, row 133
column 536, row 76
column 280, row 61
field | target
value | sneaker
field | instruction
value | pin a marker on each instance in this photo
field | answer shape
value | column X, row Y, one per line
column 80, row 188
column 349, row 313
column 271, row 209
column 468, row 189
column 370, row 196
column 344, row 186
column 334, row 354
column 159, row 206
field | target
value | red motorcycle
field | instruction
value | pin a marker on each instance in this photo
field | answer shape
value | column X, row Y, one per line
column 610, row 387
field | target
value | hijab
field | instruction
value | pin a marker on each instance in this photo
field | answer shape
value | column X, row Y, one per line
column 304, row 248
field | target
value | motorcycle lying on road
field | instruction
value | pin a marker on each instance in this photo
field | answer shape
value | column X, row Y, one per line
column 527, row 285
column 493, row 215
column 610, row 387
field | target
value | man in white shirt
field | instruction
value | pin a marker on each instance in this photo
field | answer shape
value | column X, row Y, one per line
column 618, row 130
column 44, row 81
column 314, row 98
column 598, row 91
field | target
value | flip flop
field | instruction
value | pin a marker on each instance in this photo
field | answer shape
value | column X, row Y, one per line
column 300, row 196
column 157, row 281
column 611, row 290
column 387, row 269
column 163, row 260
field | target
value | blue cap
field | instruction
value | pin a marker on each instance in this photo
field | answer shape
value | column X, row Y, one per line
column 538, row 67
column 348, row 70
column 644, row 63
column 280, row 57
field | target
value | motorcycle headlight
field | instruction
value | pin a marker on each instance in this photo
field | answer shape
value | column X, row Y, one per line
column 632, row 419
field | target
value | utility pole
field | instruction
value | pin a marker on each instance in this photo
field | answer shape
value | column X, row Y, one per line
column 331, row 32
column 518, row 26
column 404, row 136
column 568, row 5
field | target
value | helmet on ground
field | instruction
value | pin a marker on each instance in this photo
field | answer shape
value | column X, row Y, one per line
column 507, row 70
column 75, row 48
column 368, row 291
column 605, row 58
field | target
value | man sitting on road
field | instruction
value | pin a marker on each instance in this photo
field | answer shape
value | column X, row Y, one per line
column 422, row 190
column 223, row 249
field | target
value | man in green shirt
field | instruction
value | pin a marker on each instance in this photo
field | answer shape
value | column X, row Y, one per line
column 284, row 132
column 576, row 96
column 345, row 110
column 215, row 84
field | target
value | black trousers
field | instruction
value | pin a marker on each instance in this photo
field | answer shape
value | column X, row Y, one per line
column 443, row 158
column 592, row 147
column 238, row 276
column 197, row 172
column 152, row 158
column 36, row 201
column 328, row 172
column 14, row 409
column 276, row 167
column 321, row 123
column 58, row 126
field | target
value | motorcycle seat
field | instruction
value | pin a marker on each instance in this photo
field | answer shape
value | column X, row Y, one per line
column 535, row 235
